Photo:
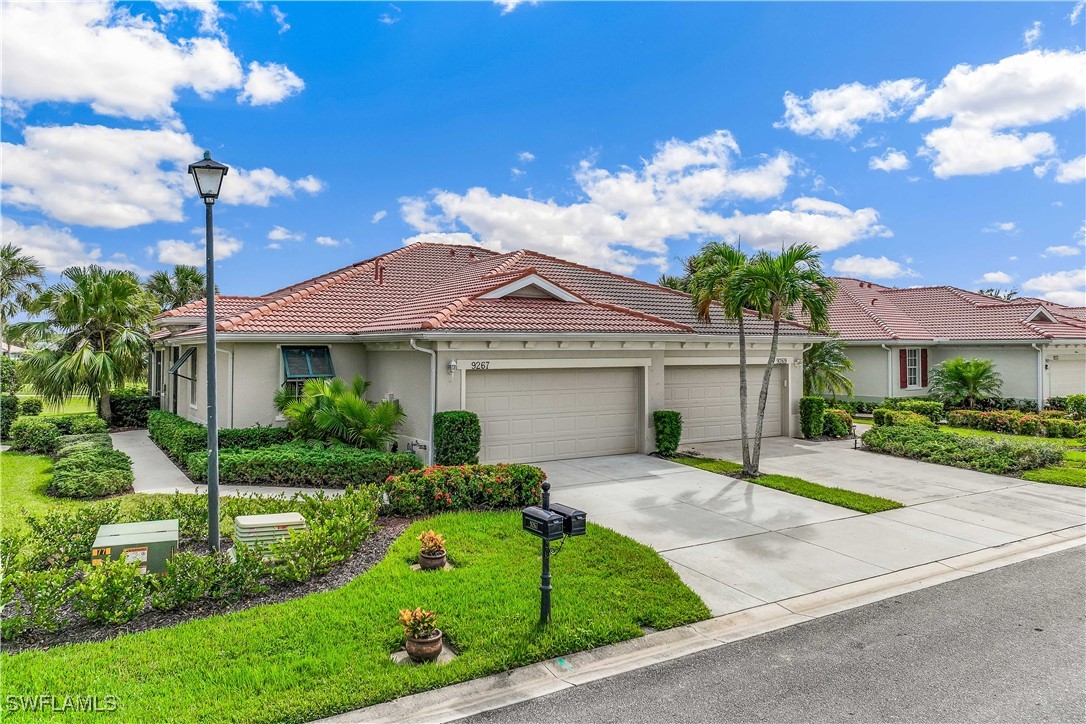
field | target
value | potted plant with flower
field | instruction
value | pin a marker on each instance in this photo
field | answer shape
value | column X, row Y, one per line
column 432, row 551
column 423, row 637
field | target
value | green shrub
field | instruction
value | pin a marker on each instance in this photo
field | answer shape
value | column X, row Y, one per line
column 186, row 580
column 856, row 407
column 31, row 406
column 669, row 429
column 63, row 538
column 13, row 621
column 180, row 438
column 252, row 438
column 130, row 406
column 930, row 409
column 989, row 455
column 1061, row 427
column 9, row 411
column 457, row 436
column 811, row 411
column 34, row 435
column 94, row 439
column 1076, row 407
column 1032, row 425
column 467, row 487
column 836, row 423
column 189, row 510
column 111, row 593
column 300, row 465
column 10, row 382
column 87, row 425
column 884, row 417
column 238, row 576
column 91, row 472
column 43, row 593
column 1056, row 403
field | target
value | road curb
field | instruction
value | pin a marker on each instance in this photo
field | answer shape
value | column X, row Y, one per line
column 530, row 682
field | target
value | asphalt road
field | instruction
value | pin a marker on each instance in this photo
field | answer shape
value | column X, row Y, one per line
column 1004, row 646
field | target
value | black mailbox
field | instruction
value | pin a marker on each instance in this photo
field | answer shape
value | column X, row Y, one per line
column 572, row 519
column 543, row 523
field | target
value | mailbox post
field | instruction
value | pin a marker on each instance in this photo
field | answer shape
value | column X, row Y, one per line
column 545, row 579
column 550, row 525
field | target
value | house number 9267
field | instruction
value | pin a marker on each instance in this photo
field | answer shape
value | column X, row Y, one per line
column 480, row 365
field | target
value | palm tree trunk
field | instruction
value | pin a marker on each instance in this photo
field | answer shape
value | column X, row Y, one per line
column 763, row 396
column 105, row 408
column 748, row 469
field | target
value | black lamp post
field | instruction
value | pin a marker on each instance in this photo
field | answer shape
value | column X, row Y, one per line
column 208, row 176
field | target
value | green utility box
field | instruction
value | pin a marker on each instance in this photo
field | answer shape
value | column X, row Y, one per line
column 149, row 543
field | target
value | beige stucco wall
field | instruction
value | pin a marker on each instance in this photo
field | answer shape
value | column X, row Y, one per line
column 404, row 374
column 868, row 374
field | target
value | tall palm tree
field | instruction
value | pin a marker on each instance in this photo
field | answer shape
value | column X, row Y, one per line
column 177, row 287
column 774, row 286
column 824, row 368
column 20, row 282
column 100, row 318
column 712, row 275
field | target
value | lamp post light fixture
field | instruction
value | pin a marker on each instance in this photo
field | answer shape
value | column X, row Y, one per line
column 208, row 175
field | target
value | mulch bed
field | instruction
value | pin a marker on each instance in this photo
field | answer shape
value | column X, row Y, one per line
column 81, row 630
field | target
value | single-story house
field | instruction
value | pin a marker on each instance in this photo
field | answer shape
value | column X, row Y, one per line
column 559, row 360
column 895, row 336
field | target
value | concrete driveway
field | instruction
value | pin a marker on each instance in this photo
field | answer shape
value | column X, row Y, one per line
column 740, row 545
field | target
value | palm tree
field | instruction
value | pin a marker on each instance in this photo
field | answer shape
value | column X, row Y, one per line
column 100, row 317
column 20, row 282
column 774, row 286
column 177, row 287
column 824, row 368
column 712, row 275
column 959, row 381
column 331, row 409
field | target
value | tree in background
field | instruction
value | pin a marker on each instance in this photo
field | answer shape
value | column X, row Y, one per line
column 824, row 368
column 100, row 320
column 335, row 410
column 20, row 282
column 1004, row 294
column 177, row 287
column 960, row 381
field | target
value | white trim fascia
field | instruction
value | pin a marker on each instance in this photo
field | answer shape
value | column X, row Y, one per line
column 532, row 280
column 959, row 342
column 728, row 362
column 544, row 363
column 504, row 336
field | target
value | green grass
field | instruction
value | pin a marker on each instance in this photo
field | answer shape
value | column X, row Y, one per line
column 797, row 486
column 23, row 490
column 1073, row 476
column 329, row 652
column 1070, row 442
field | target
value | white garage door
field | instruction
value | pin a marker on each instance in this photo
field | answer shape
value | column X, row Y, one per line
column 708, row 398
column 1066, row 377
column 530, row 415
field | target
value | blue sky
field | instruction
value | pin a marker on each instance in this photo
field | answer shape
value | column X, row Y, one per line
column 915, row 144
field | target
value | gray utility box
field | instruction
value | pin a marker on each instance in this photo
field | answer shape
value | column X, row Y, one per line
column 149, row 543
column 263, row 530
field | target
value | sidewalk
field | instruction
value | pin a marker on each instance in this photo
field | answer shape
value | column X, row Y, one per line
column 156, row 473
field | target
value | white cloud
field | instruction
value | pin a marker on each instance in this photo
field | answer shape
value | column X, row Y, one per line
column 1032, row 34
column 1065, row 287
column 57, row 249
column 1006, row 227
column 175, row 251
column 210, row 12
column 93, row 52
column 117, row 178
column 525, row 156
column 1072, row 171
column 626, row 218
column 274, row 245
column 962, row 151
column 1062, row 250
column 280, row 19
column 438, row 237
column 872, row 267
column 1076, row 12
column 892, row 160
column 996, row 277
column 838, row 112
column 327, row 241
column 279, row 233
column 1012, row 258
column 392, row 17
column 509, row 6
column 269, row 83
column 378, row 216
column 310, row 184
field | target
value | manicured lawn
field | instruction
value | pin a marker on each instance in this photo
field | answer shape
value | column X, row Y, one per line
column 1073, row 476
column 797, row 486
column 329, row 652
column 1070, row 442
column 23, row 490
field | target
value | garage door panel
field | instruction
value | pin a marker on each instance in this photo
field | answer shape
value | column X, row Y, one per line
column 708, row 398
column 532, row 415
column 1066, row 377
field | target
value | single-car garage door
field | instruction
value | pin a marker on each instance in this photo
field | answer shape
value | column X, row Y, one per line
column 1067, row 376
column 550, row 414
column 708, row 398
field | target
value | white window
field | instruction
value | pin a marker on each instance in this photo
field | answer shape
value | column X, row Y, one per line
column 912, row 367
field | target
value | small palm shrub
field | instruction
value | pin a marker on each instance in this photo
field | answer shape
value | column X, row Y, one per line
column 965, row 382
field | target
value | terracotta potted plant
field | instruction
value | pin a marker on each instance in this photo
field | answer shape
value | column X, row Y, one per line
column 432, row 551
column 423, row 638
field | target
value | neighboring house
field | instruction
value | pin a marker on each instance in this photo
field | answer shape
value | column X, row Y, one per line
column 895, row 336
column 7, row 349
column 559, row 360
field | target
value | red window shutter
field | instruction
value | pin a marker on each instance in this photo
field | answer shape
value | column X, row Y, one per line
column 924, row 368
column 903, row 368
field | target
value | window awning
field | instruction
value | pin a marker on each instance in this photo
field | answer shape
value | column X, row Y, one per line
column 307, row 362
column 180, row 361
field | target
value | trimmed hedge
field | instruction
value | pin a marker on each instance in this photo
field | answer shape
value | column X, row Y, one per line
column 1076, row 407
column 836, row 423
column 1012, row 422
column 987, row 455
column 884, row 417
column 82, row 423
column 180, row 438
column 466, row 487
column 457, row 437
column 929, row 409
column 811, row 411
column 31, row 407
column 669, row 429
column 34, row 435
column 9, row 411
column 130, row 406
column 856, row 407
column 94, row 439
column 303, row 466
column 87, row 470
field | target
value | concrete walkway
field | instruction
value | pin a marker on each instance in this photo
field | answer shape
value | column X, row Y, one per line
column 740, row 545
column 156, row 473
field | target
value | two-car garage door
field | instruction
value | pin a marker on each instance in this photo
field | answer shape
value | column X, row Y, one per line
column 548, row 414
column 708, row 398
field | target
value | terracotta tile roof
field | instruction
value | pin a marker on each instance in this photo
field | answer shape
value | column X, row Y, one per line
column 868, row 311
column 440, row 287
column 225, row 306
